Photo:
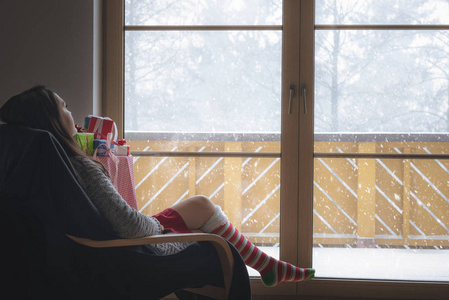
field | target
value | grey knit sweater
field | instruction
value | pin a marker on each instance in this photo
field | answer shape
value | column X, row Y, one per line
column 126, row 221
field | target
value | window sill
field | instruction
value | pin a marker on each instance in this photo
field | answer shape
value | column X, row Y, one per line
column 320, row 287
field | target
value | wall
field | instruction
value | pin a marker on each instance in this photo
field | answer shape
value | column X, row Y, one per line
column 50, row 42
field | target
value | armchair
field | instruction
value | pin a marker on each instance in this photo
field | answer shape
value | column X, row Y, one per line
column 59, row 245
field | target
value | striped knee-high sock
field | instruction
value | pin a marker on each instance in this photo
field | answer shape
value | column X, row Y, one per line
column 272, row 271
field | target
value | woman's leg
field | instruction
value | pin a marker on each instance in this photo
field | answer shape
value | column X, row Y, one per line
column 200, row 213
column 195, row 211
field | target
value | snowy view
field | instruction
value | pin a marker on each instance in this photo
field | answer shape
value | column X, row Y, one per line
column 230, row 80
column 203, row 81
column 382, row 80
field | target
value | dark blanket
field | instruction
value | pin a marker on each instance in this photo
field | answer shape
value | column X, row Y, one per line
column 42, row 200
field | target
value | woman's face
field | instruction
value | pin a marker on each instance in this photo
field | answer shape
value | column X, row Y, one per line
column 66, row 116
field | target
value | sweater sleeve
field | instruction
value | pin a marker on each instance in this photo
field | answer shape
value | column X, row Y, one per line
column 126, row 221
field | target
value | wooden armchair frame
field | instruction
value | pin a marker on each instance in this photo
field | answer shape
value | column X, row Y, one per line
column 224, row 253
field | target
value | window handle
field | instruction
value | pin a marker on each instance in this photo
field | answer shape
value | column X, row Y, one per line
column 304, row 95
column 290, row 99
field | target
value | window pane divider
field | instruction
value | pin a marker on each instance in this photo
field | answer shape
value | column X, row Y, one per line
column 200, row 27
column 205, row 154
column 380, row 155
column 381, row 27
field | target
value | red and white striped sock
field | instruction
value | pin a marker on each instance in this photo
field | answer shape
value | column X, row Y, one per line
column 272, row 271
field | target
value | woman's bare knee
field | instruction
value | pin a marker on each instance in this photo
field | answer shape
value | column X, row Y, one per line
column 195, row 211
column 203, row 203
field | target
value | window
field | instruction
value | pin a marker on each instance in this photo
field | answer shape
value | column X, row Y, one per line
column 381, row 88
column 295, row 116
column 202, row 88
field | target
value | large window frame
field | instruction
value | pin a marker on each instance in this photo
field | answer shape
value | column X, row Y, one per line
column 297, row 164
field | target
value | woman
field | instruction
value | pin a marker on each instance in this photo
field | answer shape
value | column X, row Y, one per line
column 42, row 109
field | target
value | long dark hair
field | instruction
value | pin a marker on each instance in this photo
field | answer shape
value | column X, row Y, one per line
column 38, row 108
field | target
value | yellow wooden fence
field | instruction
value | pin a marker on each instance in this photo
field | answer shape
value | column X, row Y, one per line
column 388, row 202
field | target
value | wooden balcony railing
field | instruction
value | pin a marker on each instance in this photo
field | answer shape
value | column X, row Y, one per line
column 366, row 192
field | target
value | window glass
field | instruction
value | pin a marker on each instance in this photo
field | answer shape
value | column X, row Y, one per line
column 196, row 90
column 382, row 12
column 203, row 12
column 381, row 92
column 162, row 182
column 203, row 81
column 382, row 219
column 382, row 81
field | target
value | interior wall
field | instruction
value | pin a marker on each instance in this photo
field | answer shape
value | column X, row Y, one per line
column 49, row 42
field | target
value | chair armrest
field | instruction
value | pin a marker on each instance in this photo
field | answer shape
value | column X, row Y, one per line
column 148, row 240
column 222, row 247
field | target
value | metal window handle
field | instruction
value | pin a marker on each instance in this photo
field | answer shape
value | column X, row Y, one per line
column 304, row 94
column 290, row 99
